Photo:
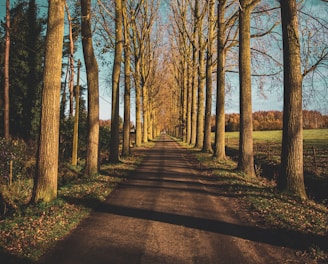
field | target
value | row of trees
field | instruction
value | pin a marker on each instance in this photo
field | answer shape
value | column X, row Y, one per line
column 247, row 35
column 172, row 80
column 121, row 25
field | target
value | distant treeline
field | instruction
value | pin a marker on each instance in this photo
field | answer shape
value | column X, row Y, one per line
column 272, row 120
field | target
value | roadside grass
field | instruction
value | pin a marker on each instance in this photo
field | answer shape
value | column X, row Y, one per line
column 28, row 231
column 273, row 209
column 267, row 151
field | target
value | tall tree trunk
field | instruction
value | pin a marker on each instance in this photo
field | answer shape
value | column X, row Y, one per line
column 184, row 98
column 6, row 72
column 201, row 85
column 219, row 153
column 127, row 86
column 194, row 79
column 138, row 105
column 137, row 82
column 71, row 62
column 45, row 184
column 207, row 147
column 76, row 118
column 93, row 90
column 292, row 178
column 246, row 155
column 145, row 112
column 114, row 139
column 189, row 102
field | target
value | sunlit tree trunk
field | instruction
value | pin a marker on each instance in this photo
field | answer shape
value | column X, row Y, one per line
column 246, row 155
column 45, row 184
column 127, row 86
column 76, row 119
column 219, row 152
column 114, row 139
column 145, row 111
column 93, row 90
column 292, row 178
column 189, row 102
column 207, row 147
column 137, row 83
column 194, row 79
column 138, row 106
column 6, row 72
column 201, row 84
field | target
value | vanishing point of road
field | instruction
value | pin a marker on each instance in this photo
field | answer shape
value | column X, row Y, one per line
column 168, row 212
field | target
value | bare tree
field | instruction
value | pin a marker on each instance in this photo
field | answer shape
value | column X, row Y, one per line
column 127, row 83
column 246, row 155
column 45, row 183
column 226, row 39
column 91, row 66
column 292, row 177
column 207, row 146
column 114, row 139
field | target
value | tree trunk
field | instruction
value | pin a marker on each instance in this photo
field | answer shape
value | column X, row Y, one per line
column 6, row 72
column 292, row 178
column 138, row 105
column 114, row 139
column 246, row 155
column 207, row 147
column 189, row 102
column 219, row 153
column 76, row 119
column 127, row 86
column 145, row 112
column 93, row 90
column 194, row 78
column 201, row 86
column 71, row 62
column 45, row 184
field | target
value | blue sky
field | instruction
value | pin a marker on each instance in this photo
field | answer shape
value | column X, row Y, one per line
column 271, row 100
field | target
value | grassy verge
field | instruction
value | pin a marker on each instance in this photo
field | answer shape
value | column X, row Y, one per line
column 267, row 151
column 273, row 210
column 30, row 230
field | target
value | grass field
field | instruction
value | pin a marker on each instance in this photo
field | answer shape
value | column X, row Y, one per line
column 267, row 151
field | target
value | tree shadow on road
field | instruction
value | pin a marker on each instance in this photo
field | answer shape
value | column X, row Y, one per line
column 276, row 237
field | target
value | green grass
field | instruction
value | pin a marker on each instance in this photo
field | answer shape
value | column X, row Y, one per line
column 317, row 136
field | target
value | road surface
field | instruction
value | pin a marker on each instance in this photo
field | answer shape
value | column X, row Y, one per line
column 167, row 212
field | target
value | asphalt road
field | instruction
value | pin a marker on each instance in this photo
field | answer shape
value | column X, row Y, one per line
column 167, row 212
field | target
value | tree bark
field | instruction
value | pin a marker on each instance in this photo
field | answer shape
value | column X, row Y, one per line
column 92, row 164
column 76, row 119
column 194, row 79
column 189, row 101
column 45, row 184
column 114, row 139
column 6, row 72
column 292, row 178
column 201, row 85
column 207, row 147
column 246, row 155
column 71, row 62
column 127, row 86
column 219, row 152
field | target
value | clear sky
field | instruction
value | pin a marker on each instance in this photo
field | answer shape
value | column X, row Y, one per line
column 269, row 100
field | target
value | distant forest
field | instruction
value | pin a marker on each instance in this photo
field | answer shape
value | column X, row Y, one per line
column 272, row 120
